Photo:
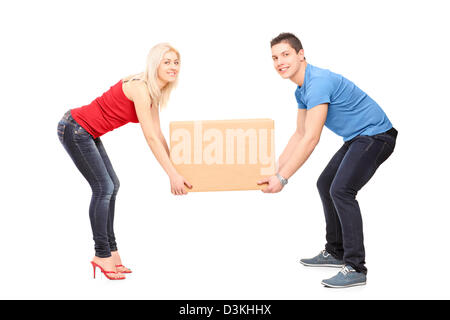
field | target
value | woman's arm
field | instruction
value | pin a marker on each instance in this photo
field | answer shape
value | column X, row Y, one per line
column 164, row 143
column 157, row 124
column 148, row 117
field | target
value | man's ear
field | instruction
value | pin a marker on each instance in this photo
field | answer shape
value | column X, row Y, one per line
column 301, row 54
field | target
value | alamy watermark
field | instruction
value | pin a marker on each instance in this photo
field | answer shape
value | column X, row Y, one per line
column 224, row 147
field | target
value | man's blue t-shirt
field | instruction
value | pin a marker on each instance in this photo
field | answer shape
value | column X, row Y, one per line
column 351, row 112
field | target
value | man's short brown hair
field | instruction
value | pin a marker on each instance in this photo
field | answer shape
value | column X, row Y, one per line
column 290, row 38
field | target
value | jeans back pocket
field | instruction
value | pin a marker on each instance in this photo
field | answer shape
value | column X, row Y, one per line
column 61, row 129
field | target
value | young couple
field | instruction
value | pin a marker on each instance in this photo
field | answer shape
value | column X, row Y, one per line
column 324, row 98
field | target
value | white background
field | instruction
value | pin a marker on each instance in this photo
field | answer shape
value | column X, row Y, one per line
column 58, row 55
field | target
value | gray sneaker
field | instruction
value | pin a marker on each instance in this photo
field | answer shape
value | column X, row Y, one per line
column 346, row 278
column 323, row 259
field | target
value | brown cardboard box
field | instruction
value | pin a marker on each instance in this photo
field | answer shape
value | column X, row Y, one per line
column 220, row 155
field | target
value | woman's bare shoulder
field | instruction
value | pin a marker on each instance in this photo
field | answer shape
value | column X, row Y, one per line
column 133, row 78
column 134, row 85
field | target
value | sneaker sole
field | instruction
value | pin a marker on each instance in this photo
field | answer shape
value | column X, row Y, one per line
column 322, row 265
column 347, row 286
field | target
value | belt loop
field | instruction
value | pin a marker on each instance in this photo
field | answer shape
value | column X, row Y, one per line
column 393, row 132
column 67, row 115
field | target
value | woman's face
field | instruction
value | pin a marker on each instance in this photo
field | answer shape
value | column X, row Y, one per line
column 169, row 67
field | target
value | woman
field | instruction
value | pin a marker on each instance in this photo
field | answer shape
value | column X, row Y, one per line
column 137, row 98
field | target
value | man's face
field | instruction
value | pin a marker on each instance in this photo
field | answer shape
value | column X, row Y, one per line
column 285, row 60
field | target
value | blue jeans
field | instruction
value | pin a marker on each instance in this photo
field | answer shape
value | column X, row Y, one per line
column 346, row 173
column 91, row 159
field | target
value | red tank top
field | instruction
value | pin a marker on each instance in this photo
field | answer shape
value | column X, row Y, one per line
column 106, row 113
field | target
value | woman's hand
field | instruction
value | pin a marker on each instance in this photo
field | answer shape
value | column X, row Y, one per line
column 177, row 183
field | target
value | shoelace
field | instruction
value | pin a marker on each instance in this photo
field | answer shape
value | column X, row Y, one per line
column 345, row 271
column 325, row 254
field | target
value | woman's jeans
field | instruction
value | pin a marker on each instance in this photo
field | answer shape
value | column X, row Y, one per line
column 91, row 159
column 347, row 172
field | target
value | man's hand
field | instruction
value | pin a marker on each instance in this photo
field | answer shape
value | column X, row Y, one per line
column 274, row 184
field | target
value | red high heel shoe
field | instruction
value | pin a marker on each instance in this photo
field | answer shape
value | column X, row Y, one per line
column 106, row 273
column 121, row 266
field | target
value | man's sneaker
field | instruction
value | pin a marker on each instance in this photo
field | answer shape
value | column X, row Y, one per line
column 347, row 277
column 323, row 259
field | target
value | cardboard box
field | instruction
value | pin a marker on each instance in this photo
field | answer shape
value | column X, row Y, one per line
column 223, row 155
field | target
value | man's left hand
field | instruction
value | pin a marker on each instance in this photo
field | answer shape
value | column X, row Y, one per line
column 274, row 184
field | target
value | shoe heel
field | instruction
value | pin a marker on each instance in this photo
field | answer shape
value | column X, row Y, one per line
column 105, row 273
column 94, row 267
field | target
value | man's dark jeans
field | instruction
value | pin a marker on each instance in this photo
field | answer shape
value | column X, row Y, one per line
column 91, row 159
column 346, row 173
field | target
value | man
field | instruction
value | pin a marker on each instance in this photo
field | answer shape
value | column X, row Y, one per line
column 327, row 98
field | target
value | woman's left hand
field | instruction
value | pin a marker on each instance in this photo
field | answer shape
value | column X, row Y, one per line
column 178, row 183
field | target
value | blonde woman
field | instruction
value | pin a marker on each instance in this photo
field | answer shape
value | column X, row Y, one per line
column 137, row 98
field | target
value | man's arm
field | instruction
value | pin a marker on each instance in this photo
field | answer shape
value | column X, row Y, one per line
column 295, row 139
column 314, row 122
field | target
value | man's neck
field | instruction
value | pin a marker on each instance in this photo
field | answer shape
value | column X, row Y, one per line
column 299, row 77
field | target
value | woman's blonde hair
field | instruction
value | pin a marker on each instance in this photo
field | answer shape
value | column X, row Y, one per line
column 154, row 58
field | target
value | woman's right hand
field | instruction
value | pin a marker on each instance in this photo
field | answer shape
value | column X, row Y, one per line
column 177, row 183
